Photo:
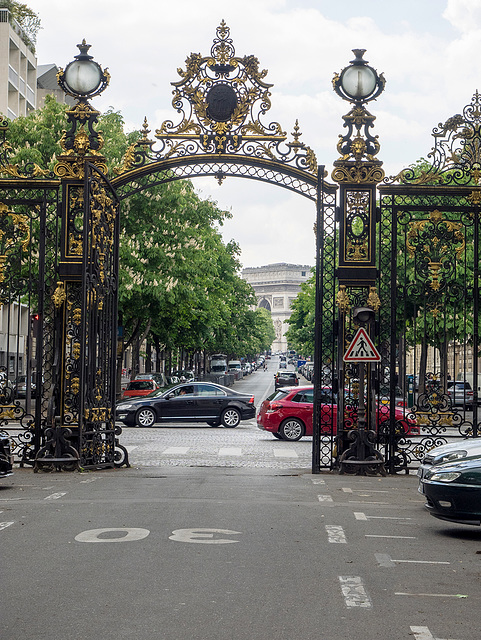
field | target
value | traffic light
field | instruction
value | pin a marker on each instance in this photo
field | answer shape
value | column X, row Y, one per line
column 34, row 322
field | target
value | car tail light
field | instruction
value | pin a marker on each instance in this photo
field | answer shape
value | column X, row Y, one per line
column 273, row 406
column 251, row 401
column 401, row 403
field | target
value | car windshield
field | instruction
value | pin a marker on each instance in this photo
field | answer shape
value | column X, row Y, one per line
column 277, row 395
column 139, row 385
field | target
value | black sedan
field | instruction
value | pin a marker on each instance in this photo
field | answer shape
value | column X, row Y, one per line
column 189, row 402
column 453, row 491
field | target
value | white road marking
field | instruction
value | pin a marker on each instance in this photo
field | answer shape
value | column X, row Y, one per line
column 359, row 515
column 202, row 536
column 354, row 592
column 336, row 534
column 4, row 525
column 423, row 633
column 125, row 534
column 365, row 502
column 432, row 595
column 230, row 451
column 175, row 450
column 372, row 535
column 88, row 480
column 285, row 453
column 349, row 490
column 325, row 498
column 385, row 560
column 316, row 481
column 55, row 496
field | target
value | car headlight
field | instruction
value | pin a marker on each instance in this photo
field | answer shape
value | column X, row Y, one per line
column 446, row 476
column 121, row 407
column 453, row 455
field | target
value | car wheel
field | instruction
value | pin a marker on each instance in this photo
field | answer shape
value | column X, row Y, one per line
column 145, row 417
column 230, row 418
column 291, row 429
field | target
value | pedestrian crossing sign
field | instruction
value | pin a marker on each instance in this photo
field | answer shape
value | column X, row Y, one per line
column 362, row 349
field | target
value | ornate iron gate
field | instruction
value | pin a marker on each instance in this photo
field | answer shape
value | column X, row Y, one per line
column 29, row 247
column 421, row 280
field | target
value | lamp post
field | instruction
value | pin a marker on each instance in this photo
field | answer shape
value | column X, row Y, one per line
column 83, row 251
column 358, row 172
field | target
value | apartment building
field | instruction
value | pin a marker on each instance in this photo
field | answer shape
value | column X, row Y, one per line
column 18, row 69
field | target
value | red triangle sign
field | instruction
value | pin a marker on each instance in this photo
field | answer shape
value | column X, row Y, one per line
column 362, row 349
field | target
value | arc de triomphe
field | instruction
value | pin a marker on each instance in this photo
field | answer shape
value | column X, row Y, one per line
column 276, row 286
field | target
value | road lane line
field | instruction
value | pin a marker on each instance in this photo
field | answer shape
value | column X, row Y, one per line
column 335, row 534
column 385, row 560
column 4, row 525
column 316, row 481
column 355, row 595
column 55, row 496
column 422, row 633
column 325, row 498
column 372, row 535
column 359, row 515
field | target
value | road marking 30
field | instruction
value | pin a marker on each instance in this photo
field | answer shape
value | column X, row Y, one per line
column 202, row 536
column 124, row 534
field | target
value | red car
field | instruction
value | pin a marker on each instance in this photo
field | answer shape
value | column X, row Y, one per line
column 137, row 388
column 287, row 413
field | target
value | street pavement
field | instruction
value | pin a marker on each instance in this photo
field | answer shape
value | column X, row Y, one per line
column 232, row 550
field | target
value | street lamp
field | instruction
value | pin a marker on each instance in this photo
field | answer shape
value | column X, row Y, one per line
column 83, row 77
column 359, row 82
column 358, row 171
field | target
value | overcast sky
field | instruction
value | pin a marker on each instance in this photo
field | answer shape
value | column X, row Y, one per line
column 427, row 49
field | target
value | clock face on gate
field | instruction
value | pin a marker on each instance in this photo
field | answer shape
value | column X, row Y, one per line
column 221, row 102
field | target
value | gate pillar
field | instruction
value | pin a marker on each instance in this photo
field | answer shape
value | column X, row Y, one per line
column 83, row 413
column 358, row 172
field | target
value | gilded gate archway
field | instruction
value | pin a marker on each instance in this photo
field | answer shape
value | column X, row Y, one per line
column 413, row 260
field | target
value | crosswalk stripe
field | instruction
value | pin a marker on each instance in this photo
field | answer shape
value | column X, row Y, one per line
column 230, row 451
column 285, row 453
column 175, row 450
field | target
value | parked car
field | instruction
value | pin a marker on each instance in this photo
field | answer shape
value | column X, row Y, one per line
column 184, row 375
column 6, row 457
column 188, row 402
column 141, row 387
column 453, row 491
column 461, row 393
column 449, row 452
column 20, row 386
column 285, row 379
column 160, row 378
column 288, row 412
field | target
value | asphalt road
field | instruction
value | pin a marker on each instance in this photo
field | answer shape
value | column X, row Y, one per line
column 197, row 552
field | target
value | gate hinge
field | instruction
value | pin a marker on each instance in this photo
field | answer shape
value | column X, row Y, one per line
column 337, row 214
column 378, row 214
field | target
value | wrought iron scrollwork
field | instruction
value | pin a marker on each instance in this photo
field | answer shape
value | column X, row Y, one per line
column 221, row 99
